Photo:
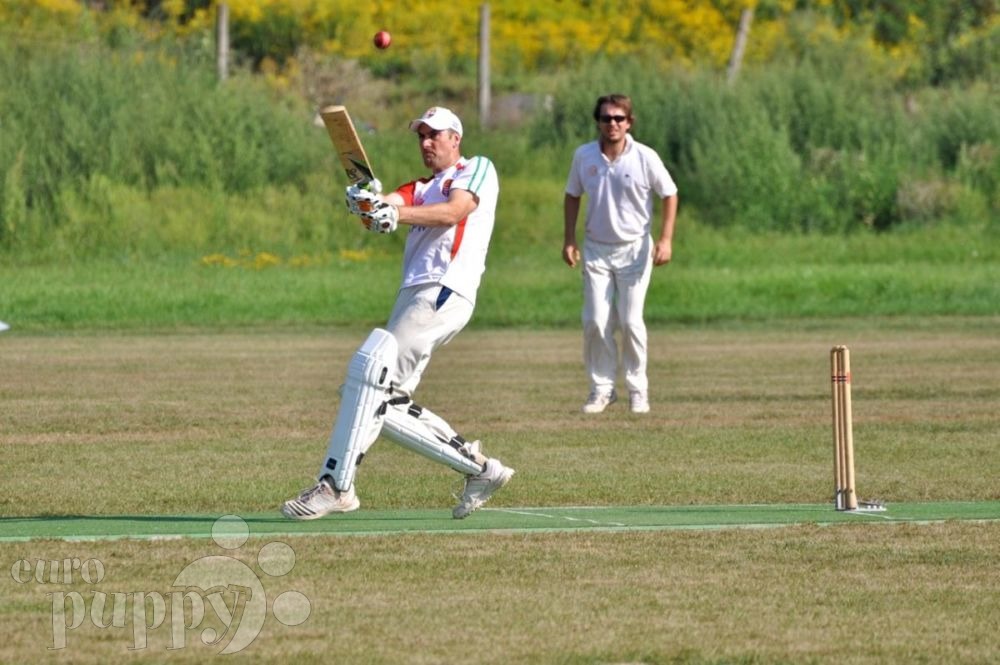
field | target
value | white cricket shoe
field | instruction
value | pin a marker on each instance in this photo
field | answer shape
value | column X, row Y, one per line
column 478, row 489
column 319, row 500
column 598, row 401
column 638, row 401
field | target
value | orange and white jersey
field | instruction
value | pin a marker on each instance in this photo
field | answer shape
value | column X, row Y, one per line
column 454, row 256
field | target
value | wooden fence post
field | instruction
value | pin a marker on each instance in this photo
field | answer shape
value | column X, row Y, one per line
column 222, row 40
column 484, row 65
column 742, row 34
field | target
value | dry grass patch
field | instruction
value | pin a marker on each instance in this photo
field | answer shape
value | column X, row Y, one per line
column 236, row 422
column 845, row 594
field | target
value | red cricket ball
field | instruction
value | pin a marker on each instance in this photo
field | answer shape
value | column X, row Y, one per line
column 382, row 39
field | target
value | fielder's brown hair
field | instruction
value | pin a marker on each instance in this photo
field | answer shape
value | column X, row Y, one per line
column 623, row 102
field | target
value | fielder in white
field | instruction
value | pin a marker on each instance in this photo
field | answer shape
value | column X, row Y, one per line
column 451, row 217
column 620, row 177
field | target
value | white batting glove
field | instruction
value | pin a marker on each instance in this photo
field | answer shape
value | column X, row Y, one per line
column 374, row 185
column 383, row 219
column 360, row 200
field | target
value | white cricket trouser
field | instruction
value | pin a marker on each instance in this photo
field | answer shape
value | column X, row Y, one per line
column 420, row 324
column 615, row 281
column 423, row 318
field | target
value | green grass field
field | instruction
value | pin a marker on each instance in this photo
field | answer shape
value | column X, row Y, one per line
column 622, row 538
column 718, row 276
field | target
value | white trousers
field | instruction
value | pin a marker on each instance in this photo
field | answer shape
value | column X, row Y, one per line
column 421, row 323
column 615, row 281
column 423, row 318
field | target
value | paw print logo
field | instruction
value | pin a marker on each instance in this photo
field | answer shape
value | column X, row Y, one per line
column 235, row 593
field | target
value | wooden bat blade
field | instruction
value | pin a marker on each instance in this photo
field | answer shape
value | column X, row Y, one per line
column 348, row 145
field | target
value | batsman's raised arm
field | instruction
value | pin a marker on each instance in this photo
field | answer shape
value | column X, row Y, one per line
column 459, row 206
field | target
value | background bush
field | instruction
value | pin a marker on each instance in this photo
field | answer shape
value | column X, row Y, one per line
column 117, row 139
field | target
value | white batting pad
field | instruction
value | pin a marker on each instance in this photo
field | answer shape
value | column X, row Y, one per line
column 419, row 430
column 359, row 419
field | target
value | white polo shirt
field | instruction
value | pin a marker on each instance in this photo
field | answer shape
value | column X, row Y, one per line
column 454, row 256
column 619, row 193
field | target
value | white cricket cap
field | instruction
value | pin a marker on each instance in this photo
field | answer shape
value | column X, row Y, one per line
column 438, row 118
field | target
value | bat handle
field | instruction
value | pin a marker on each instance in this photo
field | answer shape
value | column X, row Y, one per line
column 371, row 184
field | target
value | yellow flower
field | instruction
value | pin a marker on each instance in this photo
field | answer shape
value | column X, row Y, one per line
column 265, row 260
column 357, row 255
column 218, row 260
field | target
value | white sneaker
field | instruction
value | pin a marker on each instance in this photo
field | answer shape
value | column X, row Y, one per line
column 478, row 489
column 638, row 402
column 597, row 401
column 319, row 500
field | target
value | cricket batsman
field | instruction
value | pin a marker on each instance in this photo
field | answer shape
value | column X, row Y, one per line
column 451, row 214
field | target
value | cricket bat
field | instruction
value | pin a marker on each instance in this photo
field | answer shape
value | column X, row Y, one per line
column 348, row 145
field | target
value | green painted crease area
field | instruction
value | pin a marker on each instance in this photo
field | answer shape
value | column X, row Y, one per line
column 499, row 519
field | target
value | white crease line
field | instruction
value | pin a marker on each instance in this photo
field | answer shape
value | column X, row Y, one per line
column 555, row 517
column 875, row 513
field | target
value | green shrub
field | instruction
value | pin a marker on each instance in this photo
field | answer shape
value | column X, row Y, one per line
column 114, row 147
column 13, row 203
column 822, row 143
column 140, row 119
column 957, row 118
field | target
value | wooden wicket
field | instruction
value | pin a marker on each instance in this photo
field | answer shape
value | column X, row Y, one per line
column 844, row 497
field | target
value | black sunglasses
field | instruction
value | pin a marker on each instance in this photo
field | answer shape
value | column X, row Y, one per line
column 606, row 119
